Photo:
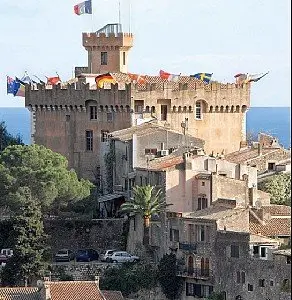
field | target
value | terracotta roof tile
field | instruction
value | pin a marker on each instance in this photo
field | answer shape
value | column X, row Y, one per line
column 273, row 227
column 246, row 155
column 20, row 293
column 277, row 210
column 166, row 163
column 113, row 295
column 75, row 290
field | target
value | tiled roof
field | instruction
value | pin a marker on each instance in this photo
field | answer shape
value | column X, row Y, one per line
column 277, row 210
column 246, row 155
column 170, row 161
column 113, row 295
column 258, row 239
column 147, row 128
column 75, row 290
column 19, row 293
column 214, row 213
column 272, row 227
column 285, row 252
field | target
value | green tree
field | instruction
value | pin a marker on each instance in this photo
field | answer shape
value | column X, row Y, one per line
column 44, row 172
column 146, row 202
column 129, row 278
column 170, row 283
column 279, row 187
column 6, row 139
column 29, row 242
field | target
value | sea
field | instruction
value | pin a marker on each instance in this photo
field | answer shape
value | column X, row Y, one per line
column 271, row 120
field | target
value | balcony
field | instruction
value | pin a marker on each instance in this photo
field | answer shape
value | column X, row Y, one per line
column 203, row 274
column 190, row 247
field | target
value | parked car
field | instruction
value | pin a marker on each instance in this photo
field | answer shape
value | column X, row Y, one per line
column 5, row 254
column 64, row 255
column 123, row 256
column 86, row 255
column 105, row 255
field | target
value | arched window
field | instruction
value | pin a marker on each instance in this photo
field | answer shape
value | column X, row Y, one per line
column 190, row 265
column 238, row 297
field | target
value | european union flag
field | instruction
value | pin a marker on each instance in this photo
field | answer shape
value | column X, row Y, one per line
column 206, row 77
column 10, row 85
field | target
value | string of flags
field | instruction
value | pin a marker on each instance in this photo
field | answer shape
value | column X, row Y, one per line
column 242, row 78
column 16, row 86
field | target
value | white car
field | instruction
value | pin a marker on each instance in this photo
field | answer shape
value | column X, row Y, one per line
column 106, row 254
column 123, row 256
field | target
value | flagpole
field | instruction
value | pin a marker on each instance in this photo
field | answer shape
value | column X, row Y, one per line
column 130, row 16
column 92, row 27
column 119, row 12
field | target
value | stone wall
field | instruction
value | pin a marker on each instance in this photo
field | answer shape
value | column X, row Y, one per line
column 97, row 234
column 251, row 271
column 261, row 162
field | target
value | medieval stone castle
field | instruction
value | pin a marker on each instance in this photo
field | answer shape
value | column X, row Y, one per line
column 75, row 119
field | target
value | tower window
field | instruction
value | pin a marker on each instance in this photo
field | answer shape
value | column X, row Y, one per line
column 198, row 112
column 93, row 112
column 124, row 58
column 163, row 112
column 89, row 140
column 103, row 58
column 202, row 203
column 109, row 117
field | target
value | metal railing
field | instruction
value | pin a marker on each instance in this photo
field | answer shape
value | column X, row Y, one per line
column 204, row 274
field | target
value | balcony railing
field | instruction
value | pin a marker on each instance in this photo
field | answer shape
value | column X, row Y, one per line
column 188, row 247
column 204, row 274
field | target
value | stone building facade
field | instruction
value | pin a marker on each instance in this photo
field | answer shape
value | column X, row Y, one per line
column 74, row 119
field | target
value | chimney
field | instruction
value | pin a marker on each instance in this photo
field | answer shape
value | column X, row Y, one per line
column 260, row 149
column 44, row 288
column 96, row 281
column 252, row 196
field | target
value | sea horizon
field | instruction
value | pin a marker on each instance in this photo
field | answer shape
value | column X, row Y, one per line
column 272, row 120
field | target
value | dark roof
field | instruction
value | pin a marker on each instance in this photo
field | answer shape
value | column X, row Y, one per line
column 19, row 293
column 113, row 295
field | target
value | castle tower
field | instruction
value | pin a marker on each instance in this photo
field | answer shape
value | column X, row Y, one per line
column 108, row 49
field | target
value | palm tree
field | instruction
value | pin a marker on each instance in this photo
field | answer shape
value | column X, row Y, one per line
column 146, row 202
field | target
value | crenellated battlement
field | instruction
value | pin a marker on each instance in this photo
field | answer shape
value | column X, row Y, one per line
column 76, row 95
column 103, row 40
column 215, row 95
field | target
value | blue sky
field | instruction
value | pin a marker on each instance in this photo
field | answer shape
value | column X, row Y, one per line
column 223, row 37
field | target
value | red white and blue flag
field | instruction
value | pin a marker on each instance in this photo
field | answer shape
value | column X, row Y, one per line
column 83, row 8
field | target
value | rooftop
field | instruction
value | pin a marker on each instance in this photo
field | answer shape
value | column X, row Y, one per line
column 75, row 290
column 285, row 252
column 277, row 210
column 19, row 293
column 214, row 213
column 273, row 227
column 259, row 239
column 245, row 155
column 147, row 128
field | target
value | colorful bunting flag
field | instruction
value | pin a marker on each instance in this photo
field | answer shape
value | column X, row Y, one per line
column 240, row 78
column 255, row 77
column 168, row 76
column 83, row 8
column 19, row 88
column 53, row 80
column 104, row 78
column 141, row 79
column 205, row 77
column 10, row 85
